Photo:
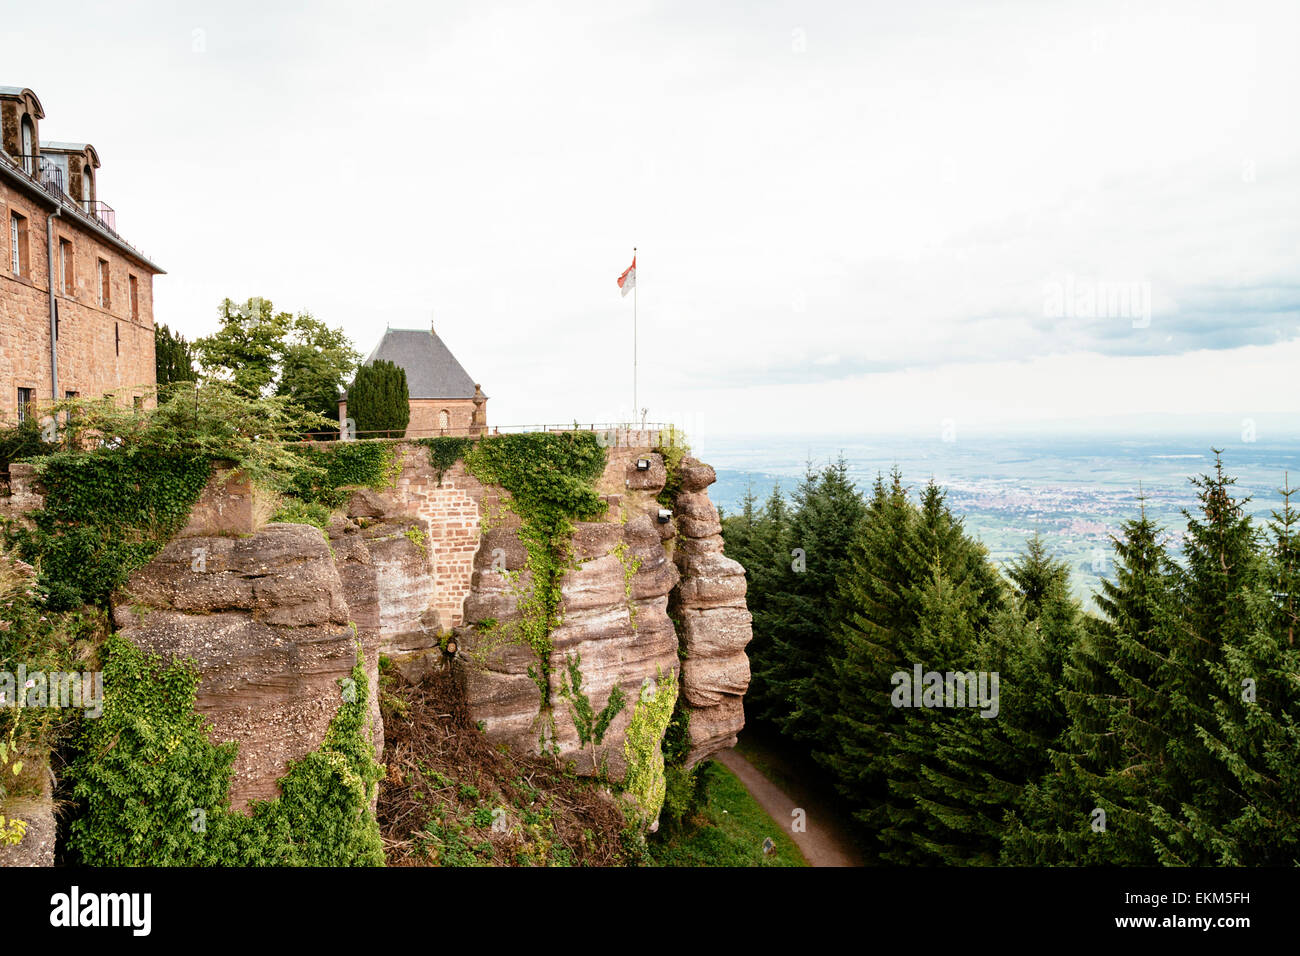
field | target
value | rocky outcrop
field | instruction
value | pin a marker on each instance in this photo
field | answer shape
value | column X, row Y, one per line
column 709, row 605
column 613, row 621
column 268, row 617
column 384, row 566
column 264, row 620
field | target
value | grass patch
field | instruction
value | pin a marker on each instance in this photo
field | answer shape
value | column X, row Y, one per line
column 729, row 830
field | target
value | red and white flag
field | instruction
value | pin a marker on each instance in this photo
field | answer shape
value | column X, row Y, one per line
column 627, row 281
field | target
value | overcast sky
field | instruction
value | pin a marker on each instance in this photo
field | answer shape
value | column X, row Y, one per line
column 851, row 217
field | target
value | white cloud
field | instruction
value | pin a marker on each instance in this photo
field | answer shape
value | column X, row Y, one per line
column 817, row 211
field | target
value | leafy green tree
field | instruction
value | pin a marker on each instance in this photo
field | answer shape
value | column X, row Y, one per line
column 248, row 348
column 379, row 401
column 261, row 352
column 317, row 362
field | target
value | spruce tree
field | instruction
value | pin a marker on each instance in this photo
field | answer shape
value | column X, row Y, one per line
column 983, row 766
column 1093, row 805
column 883, row 609
column 920, row 591
column 1220, row 569
column 814, row 563
column 757, row 538
column 1257, row 719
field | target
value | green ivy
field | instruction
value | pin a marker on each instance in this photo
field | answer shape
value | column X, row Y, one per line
column 642, row 747
column 154, row 789
column 673, row 446
column 551, row 478
column 106, row 513
column 683, row 787
column 327, row 473
column 590, row 724
column 445, row 451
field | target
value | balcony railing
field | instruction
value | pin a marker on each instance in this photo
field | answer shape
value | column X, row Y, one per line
column 50, row 178
column 43, row 171
column 103, row 212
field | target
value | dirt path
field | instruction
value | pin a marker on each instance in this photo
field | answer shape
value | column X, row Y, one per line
column 821, row 844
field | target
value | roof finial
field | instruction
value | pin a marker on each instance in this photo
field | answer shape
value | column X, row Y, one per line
column 433, row 328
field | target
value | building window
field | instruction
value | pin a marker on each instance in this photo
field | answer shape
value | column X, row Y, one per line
column 135, row 298
column 117, row 339
column 444, row 419
column 66, row 265
column 104, row 284
column 18, row 262
column 25, row 398
column 28, row 147
column 69, row 395
column 138, row 404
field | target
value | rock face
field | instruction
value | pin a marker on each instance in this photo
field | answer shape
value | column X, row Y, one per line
column 383, row 562
column 709, row 605
column 615, row 619
column 613, row 622
column 264, row 619
column 268, row 617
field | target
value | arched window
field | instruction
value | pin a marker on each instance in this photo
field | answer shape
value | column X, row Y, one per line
column 87, row 186
column 29, row 146
column 444, row 419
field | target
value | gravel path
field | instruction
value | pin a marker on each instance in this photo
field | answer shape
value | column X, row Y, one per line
column 822, row 843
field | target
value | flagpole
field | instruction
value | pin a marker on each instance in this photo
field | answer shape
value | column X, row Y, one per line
column 634, row 396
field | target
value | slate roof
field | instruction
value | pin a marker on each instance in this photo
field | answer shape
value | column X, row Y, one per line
column 431, row 370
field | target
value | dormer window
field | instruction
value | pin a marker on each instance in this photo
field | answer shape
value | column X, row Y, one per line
column 87, row 187
column 29, row 147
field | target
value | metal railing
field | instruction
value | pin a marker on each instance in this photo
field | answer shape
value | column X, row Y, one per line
column 617, row 433
column 43, row 171
column 102, row 211
column 50, row 178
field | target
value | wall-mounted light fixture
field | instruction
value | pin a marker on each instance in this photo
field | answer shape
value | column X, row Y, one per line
column 643, row 464
column 665, row 515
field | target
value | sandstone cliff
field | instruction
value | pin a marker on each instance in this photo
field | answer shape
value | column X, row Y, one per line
column 264, row 619
column 431, row 572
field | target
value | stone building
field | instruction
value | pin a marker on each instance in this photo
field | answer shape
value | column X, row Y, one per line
column 76, row 300
column 444, row 399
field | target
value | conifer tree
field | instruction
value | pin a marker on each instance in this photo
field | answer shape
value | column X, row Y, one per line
column 173, row 357
column 1092, row 807
column 1212, row 587
column 815, row 563
column 1257, row 732
column 982, row 766
column 378, row 400
column 756, row 537
column 920, row 592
